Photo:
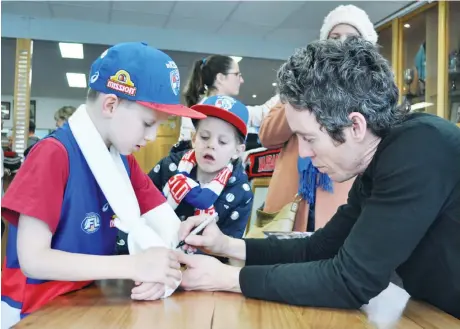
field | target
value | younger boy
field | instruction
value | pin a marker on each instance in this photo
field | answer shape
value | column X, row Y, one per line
column 61, row 234
column 209, row 178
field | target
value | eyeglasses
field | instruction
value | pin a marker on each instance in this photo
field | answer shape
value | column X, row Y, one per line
column 238, row 74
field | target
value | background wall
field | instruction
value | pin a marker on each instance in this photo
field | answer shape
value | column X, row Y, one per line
column 454, row 26
column 45, row 109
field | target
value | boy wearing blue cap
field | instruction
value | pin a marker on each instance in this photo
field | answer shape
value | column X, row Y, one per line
column 210, row 178
column 61, row 204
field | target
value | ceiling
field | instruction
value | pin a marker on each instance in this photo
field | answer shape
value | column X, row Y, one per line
column 263, row 32
column 268, row 19
column 261, row 29
column 49, row 71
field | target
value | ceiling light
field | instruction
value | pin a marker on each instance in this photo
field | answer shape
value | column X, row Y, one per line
column 71, row 50
column 76, row 80
column 274, row 84
column 406, row 25
column 236, row 58
column 254, row 96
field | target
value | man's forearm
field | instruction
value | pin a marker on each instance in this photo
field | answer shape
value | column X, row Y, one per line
column 235, row 248
column 231, row 279
column 65, row 266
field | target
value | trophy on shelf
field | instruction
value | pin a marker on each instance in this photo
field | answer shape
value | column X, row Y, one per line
column 454, row 62
column 454, row 68
column 408, row 79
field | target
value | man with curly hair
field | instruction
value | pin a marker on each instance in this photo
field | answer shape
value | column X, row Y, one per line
column 402, row 213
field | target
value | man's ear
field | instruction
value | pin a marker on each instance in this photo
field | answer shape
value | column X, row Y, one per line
column 359, row 126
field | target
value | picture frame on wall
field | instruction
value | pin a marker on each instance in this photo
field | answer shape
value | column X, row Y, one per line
column 33, row 111
column 6, row 110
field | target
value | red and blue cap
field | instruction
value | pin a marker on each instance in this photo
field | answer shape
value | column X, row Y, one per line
column 142, row 74
column 226, row 108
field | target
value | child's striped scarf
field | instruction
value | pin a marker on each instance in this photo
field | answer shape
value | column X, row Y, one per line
column 181, row 187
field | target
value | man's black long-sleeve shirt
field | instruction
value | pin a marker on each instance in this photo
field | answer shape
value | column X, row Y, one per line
column 402, row 213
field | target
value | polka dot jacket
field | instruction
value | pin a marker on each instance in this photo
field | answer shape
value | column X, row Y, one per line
column 233, row 205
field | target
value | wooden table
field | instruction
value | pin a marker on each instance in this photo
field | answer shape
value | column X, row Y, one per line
column 107, row 305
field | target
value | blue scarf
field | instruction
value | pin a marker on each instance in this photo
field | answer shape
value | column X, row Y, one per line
column 310, row 178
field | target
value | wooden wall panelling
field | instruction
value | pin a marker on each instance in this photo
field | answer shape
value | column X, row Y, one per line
column 153, row 152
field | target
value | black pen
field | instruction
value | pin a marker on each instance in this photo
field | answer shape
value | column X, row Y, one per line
column 199, row 228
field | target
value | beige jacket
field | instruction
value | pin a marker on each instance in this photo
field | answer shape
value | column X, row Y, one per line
column 274, row 133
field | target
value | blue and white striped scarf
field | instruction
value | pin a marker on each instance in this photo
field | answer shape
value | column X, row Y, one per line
column 181, row 187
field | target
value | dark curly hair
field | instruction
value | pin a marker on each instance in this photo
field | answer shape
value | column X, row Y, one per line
column 335, row 78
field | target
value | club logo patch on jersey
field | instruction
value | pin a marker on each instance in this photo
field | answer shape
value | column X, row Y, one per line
column 91, row 223
column 121, row 82
column 175, row 81
column 225, row 102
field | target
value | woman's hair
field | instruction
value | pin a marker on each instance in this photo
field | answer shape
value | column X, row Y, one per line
column 203, row 76
column 64, row 113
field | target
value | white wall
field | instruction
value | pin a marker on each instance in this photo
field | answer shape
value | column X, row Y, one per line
column 46, row 107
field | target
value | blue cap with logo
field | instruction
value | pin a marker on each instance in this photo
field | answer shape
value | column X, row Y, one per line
column 226, row 108
column 140, row 73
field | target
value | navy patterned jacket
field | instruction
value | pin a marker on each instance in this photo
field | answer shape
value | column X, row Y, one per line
column 233, row 205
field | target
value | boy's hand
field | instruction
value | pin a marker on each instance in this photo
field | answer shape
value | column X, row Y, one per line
column 148, row 291
column 157, row 265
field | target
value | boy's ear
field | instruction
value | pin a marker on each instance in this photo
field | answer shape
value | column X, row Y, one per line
column 193, row 139
column 109, row 103
column 239, row 151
